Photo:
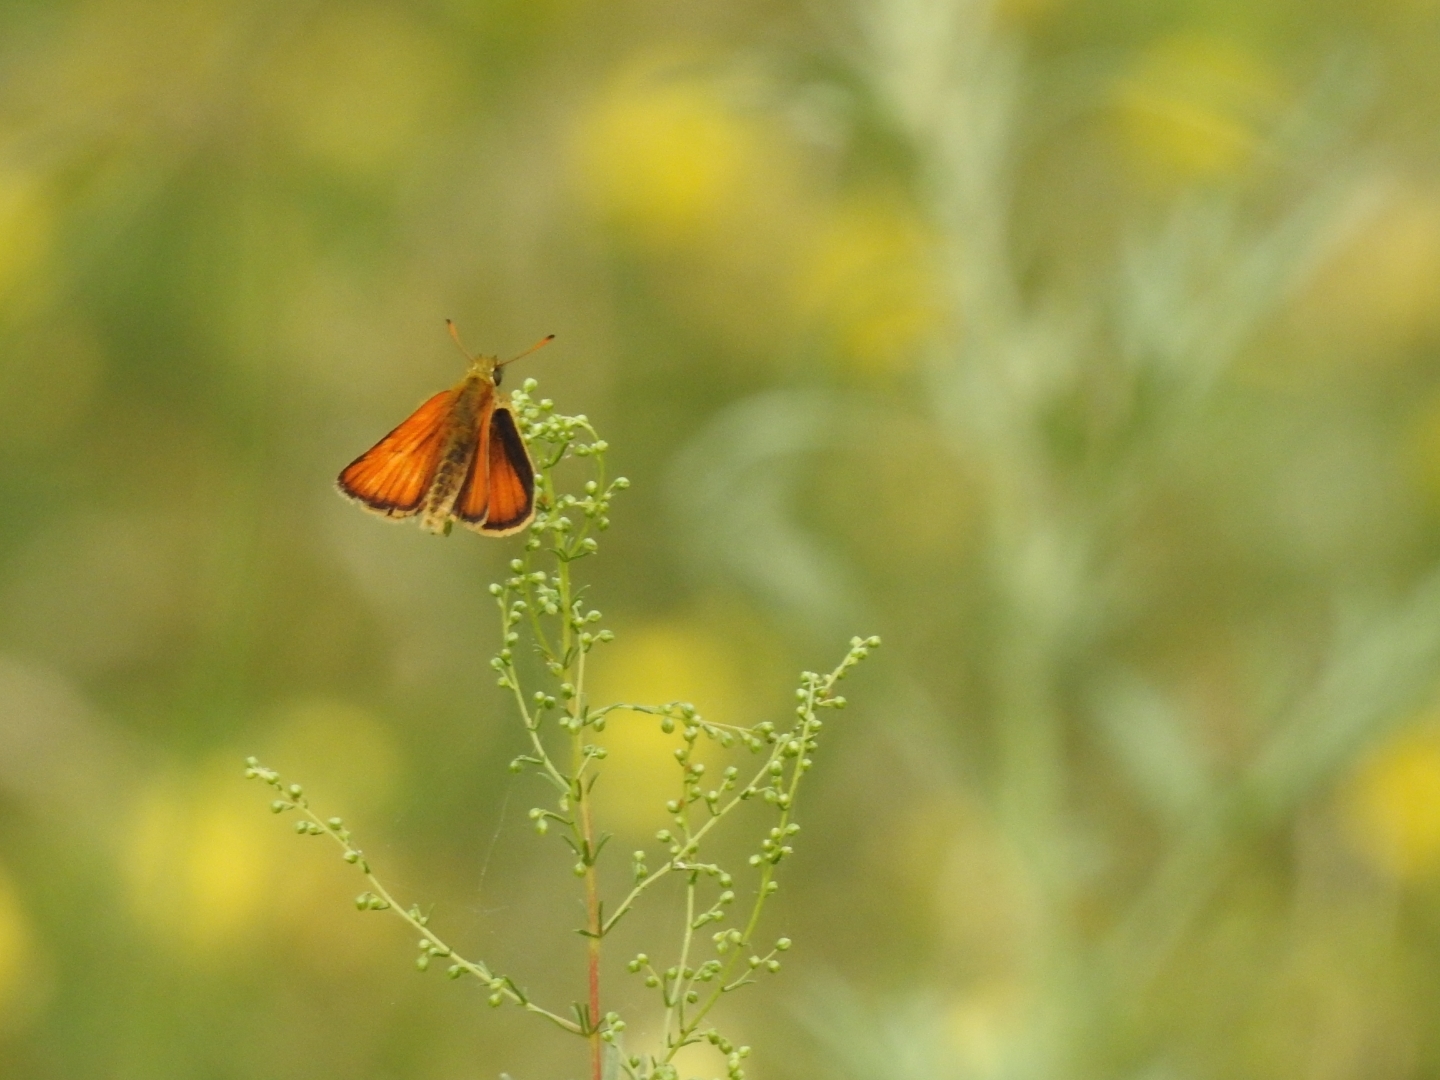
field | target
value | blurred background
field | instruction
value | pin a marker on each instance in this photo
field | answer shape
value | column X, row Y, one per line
column 1088, row 352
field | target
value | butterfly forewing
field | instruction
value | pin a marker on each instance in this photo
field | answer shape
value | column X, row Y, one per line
column 393, row 476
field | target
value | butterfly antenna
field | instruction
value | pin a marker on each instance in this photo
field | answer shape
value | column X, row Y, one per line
column 533, row 348
column 455, row 337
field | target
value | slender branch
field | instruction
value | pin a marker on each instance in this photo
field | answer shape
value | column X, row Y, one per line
column 575, row 707
column 676, row 996
column 334, row 828
column 671, row 709
column 817, row 693
column 676, row 861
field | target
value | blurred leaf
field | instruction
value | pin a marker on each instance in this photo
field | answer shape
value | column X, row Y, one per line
column 733, row 486
column 1152, row 741
column 1385, row 664
column 901, row 1041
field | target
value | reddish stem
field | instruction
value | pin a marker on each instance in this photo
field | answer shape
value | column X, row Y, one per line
column 592, row 910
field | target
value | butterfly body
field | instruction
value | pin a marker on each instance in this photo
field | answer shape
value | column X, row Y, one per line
column 460, row 447
column 458, row 457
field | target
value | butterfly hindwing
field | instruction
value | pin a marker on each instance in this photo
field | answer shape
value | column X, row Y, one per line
column 474, row 499
column 512, row 477
column 392, row 477
column 499, row 497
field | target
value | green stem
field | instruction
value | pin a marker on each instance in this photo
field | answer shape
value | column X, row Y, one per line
column 677, row 998
column 767, row 874
column 498, row 984
column 690, row 846
column 575, row 657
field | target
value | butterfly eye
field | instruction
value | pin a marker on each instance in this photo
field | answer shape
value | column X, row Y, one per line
column 499, row 375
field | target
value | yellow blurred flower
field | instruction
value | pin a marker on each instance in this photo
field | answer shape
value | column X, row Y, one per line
column 1381, row 290
column 197, row 857
column 663, row 155
column 871, row 281
column 650, row 666
column 348, row 762
column 203, row 860
column 19, row 985
column 986, row 1022
column 1391, row 808
column 26, row 227
column 1198, row 108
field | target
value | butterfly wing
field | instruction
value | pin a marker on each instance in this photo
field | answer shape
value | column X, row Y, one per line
column 392, row 477
column 512, row 477
column 499, row 495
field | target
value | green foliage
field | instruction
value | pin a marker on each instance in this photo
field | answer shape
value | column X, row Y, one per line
column 544, row 613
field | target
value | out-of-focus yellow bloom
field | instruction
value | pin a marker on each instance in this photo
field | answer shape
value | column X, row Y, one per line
column 1198, row 108
column 26, row 227
column 17, row 979
column 716, row 195
column 198, row 856
column 984, row 1023
column 347, row 760
column 665, row 156
column 651, row 666
column 946, row 852
column 203, row 860
column 1392, row 805
column 1381, row 291
column 362, row 89
column 869, row 278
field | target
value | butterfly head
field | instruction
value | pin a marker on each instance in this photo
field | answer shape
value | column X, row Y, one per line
column 492, row 367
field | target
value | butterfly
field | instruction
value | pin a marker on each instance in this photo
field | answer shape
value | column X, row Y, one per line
column 458, row 457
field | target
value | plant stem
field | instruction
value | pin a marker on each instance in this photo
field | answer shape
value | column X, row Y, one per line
column 475, row 967
column 817, row 692
column 574, row 656
column 692, row 844
column 592, row 905
column 677, row 1000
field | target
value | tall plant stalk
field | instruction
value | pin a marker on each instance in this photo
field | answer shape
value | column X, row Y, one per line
column 547, row 635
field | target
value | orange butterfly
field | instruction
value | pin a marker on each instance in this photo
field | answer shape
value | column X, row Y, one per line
column 459, row 457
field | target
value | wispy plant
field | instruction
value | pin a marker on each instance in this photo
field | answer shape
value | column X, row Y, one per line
column 544, row 611
column 1073, row 414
